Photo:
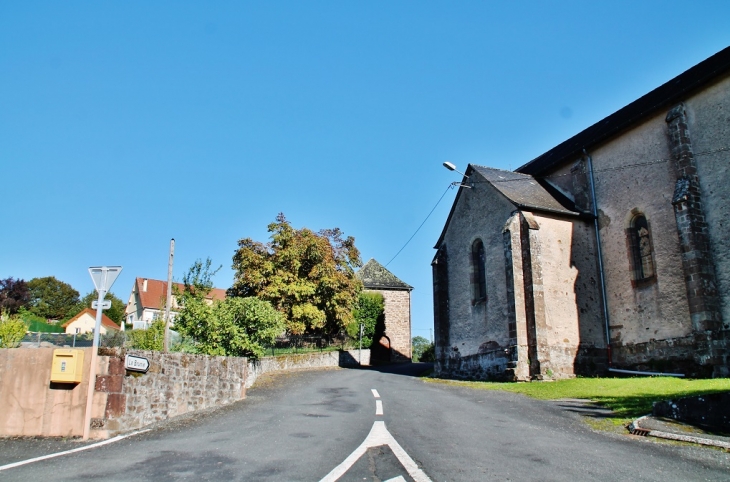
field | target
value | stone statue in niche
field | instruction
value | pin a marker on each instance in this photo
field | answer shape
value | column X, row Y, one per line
column 647, row 264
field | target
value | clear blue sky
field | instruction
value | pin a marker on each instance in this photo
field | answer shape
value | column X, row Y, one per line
column 124, row 124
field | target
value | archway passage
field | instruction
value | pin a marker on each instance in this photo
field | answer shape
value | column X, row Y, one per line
column 381, row 352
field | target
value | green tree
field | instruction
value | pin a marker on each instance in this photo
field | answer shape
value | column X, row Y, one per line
column 369, row 310
column 423, row 349
column 307, row 276
column 234, row 326
column 115, row 313
column 198, row 281
column 51, row 298
column 12, row 330
column 14, row 295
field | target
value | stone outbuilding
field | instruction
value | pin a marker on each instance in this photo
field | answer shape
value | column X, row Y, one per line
column 611, row 251
column 394, row 343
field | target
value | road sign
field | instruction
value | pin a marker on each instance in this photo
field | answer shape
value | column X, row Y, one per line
column 104, row 276
column 105, row 305
column 136, row 363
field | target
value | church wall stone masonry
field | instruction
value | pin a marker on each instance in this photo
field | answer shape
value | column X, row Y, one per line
column 634, row 207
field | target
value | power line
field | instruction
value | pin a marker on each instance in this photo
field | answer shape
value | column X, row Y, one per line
column 530, row 178
column 451, row 186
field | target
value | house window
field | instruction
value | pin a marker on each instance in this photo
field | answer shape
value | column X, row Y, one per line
column 478, row 272
column 642, row 258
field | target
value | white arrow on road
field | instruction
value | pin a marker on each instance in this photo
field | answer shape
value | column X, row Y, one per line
column 377, row 437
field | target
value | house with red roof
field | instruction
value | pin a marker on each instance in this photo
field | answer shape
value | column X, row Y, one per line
column 147, row 301
column 85, row 322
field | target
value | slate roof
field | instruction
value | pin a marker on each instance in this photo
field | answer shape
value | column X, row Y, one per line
column 522, row 190
column 105, row 320
column 157, row 292
column 661, row 98
column 374, row 276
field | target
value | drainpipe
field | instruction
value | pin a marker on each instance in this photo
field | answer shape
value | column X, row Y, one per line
column 601, row 272
column 650, row 374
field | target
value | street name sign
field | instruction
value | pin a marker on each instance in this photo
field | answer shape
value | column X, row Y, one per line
column 105, row 305
column 136, row 363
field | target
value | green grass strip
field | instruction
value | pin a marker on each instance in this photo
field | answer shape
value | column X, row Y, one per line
column 627, row 397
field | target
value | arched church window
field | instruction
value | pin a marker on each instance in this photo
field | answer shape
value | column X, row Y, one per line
column 641, row 249
column 478, row 272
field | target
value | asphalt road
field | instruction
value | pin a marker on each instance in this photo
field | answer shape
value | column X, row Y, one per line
column 310, row 425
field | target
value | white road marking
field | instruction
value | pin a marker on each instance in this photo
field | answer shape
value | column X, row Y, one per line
column 375, row 393
column 378, row 407
column 397, row 479
column 378, row 436
column 80, row 449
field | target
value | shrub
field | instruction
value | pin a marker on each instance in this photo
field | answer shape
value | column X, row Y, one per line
column 369, row 311
column 185, row 345
column 113, row 338
column 153, row 338
column 232, row 327
column 12, row 330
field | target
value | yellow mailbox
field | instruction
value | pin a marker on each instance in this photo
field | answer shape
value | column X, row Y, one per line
column 68, row 365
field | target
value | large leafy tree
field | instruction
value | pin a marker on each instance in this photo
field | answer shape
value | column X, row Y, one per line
column 115, row 313
column 14, row 295
column 51, row 298
column 308, row 276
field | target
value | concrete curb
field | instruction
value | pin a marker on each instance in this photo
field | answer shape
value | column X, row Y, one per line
column 636, row 429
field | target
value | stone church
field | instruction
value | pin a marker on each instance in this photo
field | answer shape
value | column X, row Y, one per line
column 609, row 252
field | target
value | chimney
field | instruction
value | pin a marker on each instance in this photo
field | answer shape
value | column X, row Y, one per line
column 144, row 285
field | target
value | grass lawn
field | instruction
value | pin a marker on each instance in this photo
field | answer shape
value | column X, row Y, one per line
column 629, row 398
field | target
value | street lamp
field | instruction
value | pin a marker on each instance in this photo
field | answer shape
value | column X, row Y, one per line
column 451, row 167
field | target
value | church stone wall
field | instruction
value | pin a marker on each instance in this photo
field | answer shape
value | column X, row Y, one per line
column 654, row 323
column 708, row 115
column 569, row 280
column 628, row 183
column 478, row 332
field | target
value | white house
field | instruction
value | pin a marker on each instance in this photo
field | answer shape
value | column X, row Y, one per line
column 147, row 301
column 85, row 322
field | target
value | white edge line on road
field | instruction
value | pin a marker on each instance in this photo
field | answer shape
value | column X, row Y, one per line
column 375, row 393
column 80, row 449
column 378, row 407
column 378, row 436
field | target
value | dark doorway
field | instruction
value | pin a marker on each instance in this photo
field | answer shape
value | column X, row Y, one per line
column 380, row 353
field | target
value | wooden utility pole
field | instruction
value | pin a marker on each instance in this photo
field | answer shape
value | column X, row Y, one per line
column 169, row 296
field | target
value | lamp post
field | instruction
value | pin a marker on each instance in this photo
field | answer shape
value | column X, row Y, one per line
column 451, row 167
column 359, row 352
